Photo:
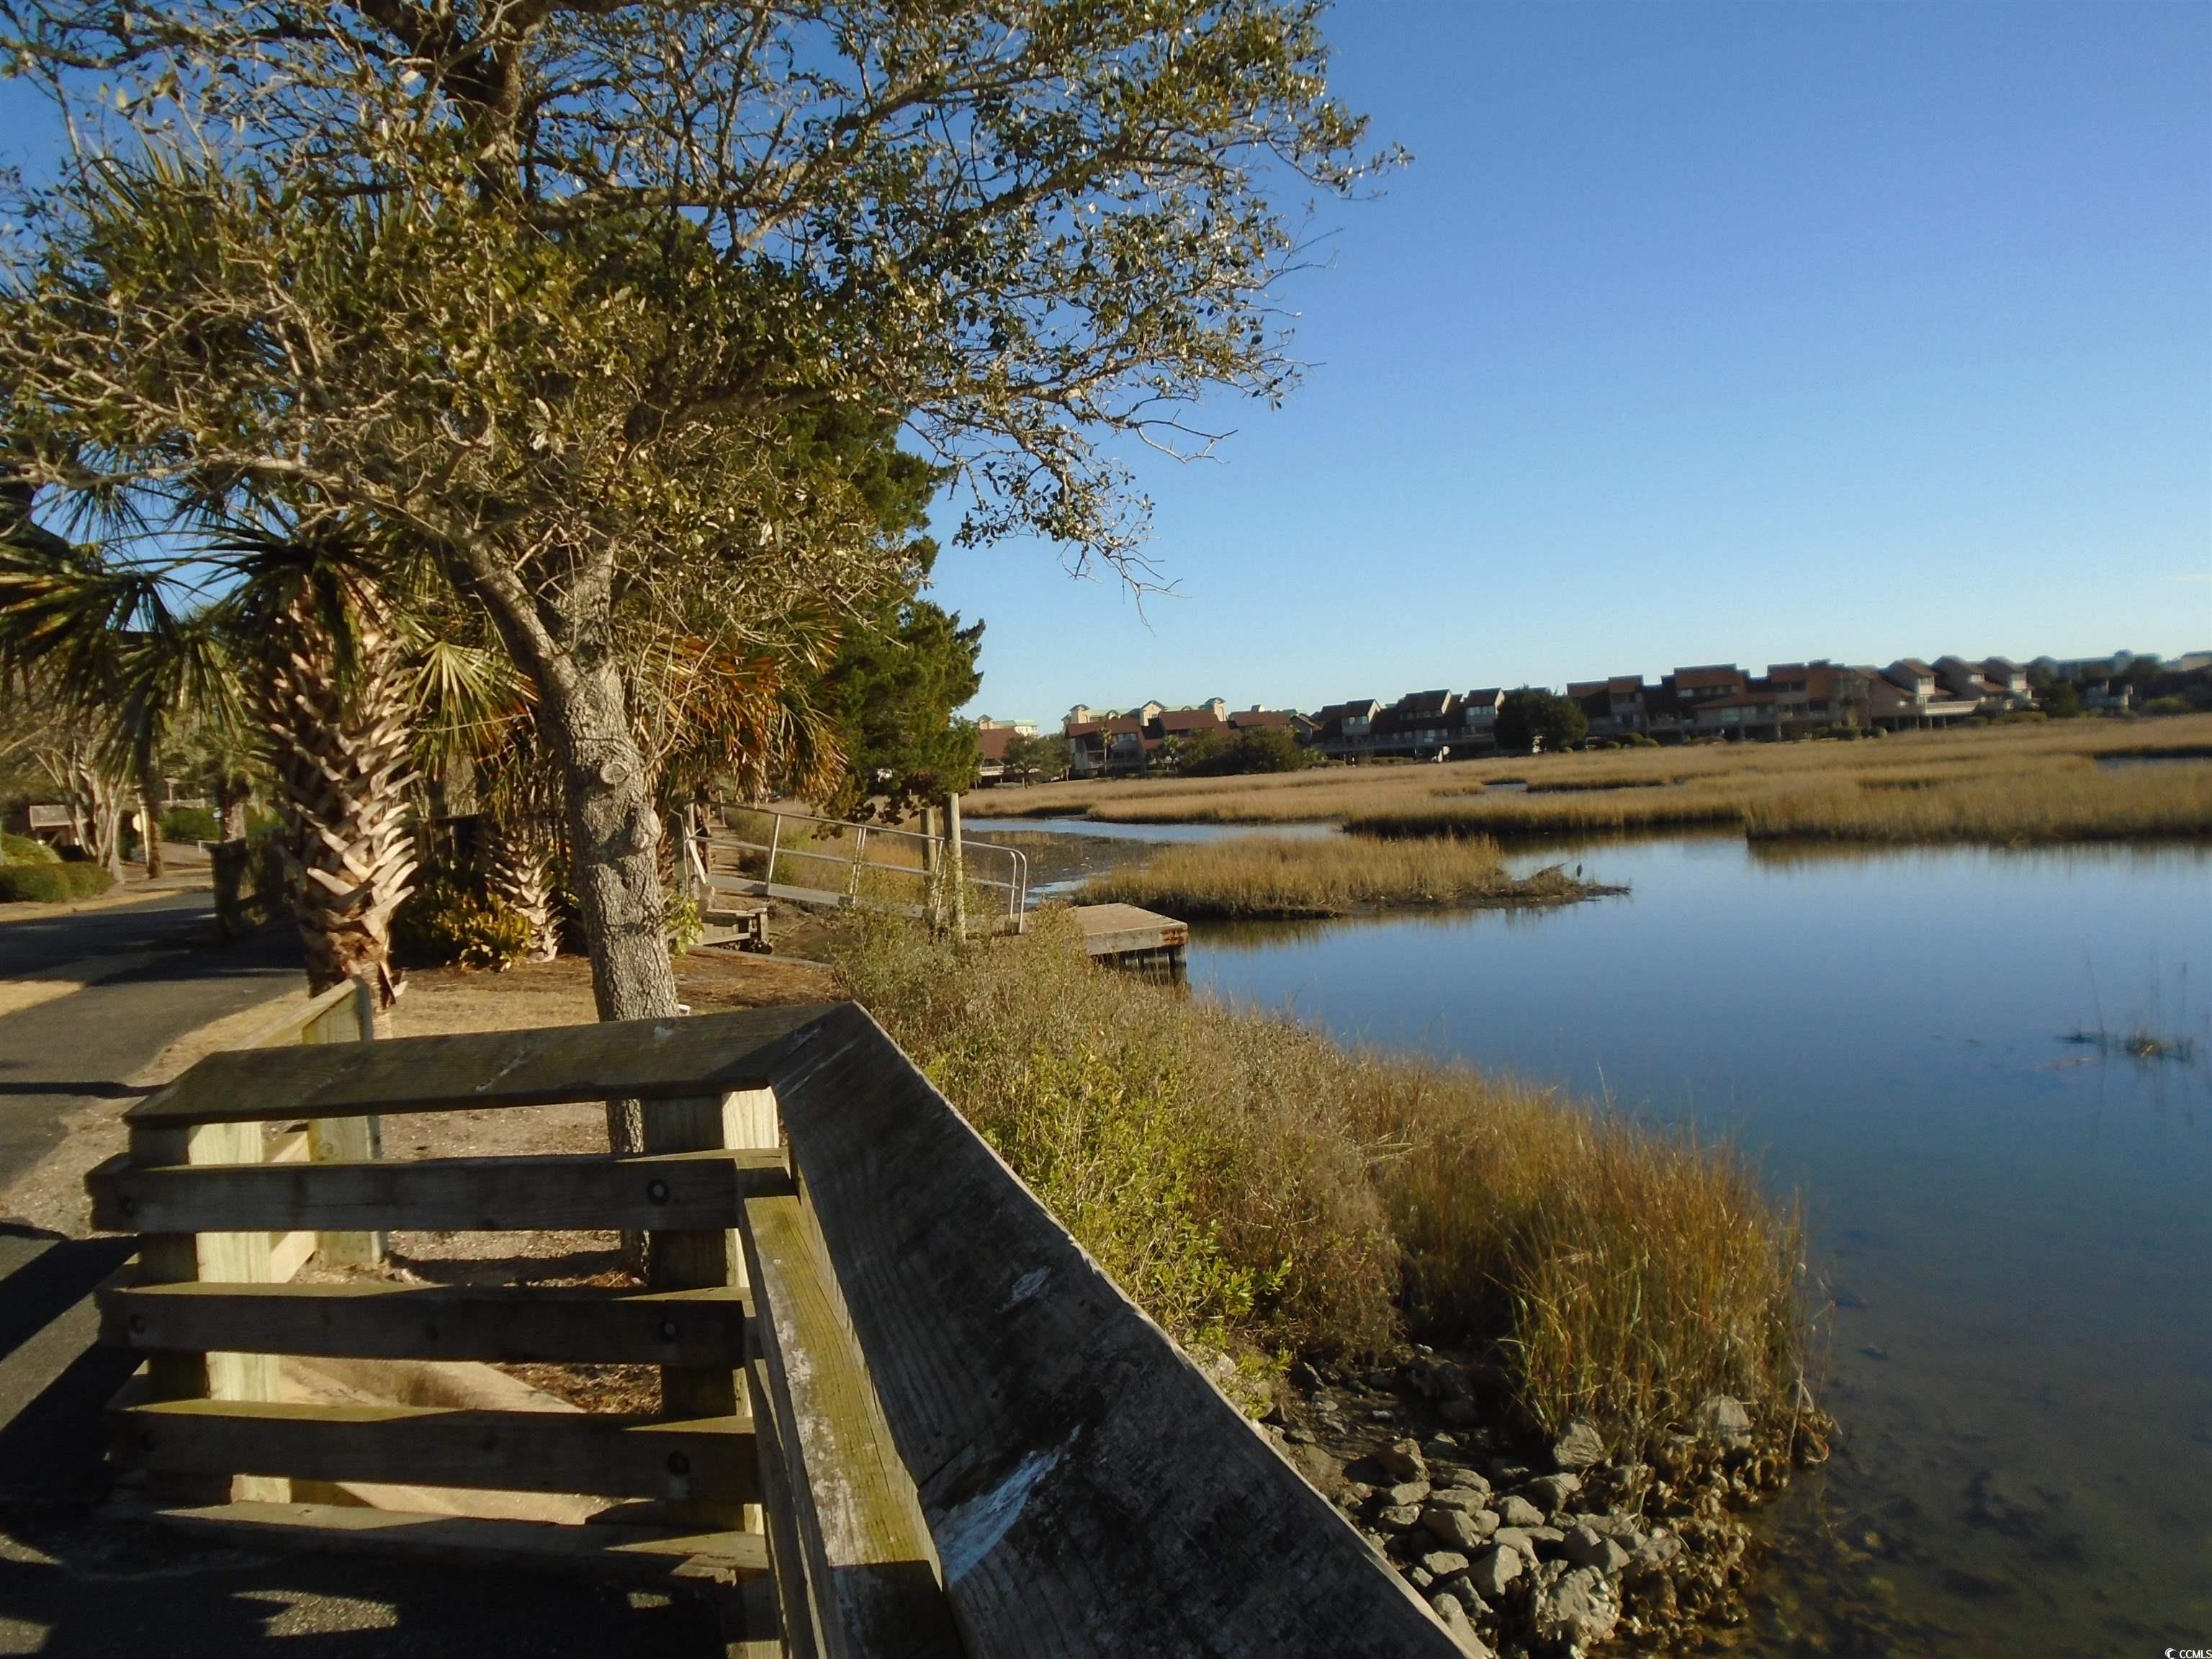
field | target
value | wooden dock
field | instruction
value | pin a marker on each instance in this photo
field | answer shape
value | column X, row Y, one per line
column 1122, row 936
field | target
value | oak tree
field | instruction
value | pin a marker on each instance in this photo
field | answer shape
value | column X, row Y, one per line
column 536, row 285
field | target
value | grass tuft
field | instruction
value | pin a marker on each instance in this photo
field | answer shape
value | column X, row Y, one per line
column 2139, row 1043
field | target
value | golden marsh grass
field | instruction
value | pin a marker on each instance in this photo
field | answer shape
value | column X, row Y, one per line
column 1262, row 877
column 2146, row 803
column 1638, row 790
column 1344, row 792
column 1251, row 1183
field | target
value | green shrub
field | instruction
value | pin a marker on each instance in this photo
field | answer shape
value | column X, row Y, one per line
column 442, row 923
column 2061, row 701
column 33, row 883
column 680, row 923
column 2166, row 706
column 190, row 824
column 51, row 884
column 26, row 849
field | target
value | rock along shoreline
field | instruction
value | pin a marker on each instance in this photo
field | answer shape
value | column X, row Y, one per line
column 1531, row 1548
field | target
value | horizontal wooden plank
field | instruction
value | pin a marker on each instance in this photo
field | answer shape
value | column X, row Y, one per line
column 372, row 1320
column 1089, row 1492
column 635, row 1554
column 487, row 1194
column 637, row 1058
column 599, row 1453
column 287, row 1022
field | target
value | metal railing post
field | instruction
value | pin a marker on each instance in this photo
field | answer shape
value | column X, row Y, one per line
column 853, row 878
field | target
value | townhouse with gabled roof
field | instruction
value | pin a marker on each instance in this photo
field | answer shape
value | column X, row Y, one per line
column 1419, row 725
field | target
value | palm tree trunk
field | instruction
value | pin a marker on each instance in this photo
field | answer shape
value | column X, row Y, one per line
column 149, row 849
column 339, row 750
column 153, row 798
column 521, row 877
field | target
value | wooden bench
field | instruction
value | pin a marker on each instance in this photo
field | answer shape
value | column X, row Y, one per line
column 962, row 1438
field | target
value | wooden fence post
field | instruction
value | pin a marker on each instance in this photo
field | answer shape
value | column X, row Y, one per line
column 959, row 873
column 852, row 876
column 932, row 861
column 230, row 1258
column 687, row 1260
column 347, row 1139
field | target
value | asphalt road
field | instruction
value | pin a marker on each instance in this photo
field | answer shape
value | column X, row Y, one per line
column 169, row 921
column 61, row 1054
column 78, row 1050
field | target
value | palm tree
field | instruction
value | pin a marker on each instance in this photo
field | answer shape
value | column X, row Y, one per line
column 300, row 646
column 334, row 715
column 119, row 666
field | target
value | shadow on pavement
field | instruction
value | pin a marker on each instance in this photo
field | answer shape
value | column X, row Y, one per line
column 80, row 1089
column 54, row 1384
column 86, row 1588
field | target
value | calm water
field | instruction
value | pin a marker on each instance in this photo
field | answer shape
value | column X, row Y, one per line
column 1064, row 853
column 2016, row 1233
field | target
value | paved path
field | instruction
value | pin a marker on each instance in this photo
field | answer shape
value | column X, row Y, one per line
column 76, row 1050
column 61, row 1054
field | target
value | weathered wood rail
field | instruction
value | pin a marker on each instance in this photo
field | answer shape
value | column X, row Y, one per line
column 961, row 1438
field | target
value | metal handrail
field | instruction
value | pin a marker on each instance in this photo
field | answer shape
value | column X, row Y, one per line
column 931, row 870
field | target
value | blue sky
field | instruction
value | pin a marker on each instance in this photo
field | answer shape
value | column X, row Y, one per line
column 1697, row 333
column 1694, row 332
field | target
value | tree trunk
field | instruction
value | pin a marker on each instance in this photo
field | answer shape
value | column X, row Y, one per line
column 339, row 751
column 614, row 842
column 153, row 801
column 149, row 839
column 95, row 810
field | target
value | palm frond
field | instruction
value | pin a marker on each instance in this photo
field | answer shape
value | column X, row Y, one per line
column 468, row 700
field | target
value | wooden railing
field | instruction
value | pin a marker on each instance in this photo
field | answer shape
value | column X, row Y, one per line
column 960, row 1437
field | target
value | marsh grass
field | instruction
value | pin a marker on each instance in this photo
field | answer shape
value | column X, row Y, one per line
column 2065, row 800
column 1709, row 784
column 1252, row 877
column 1610, row 811
column 1252, row 1184
column 2075, row 804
